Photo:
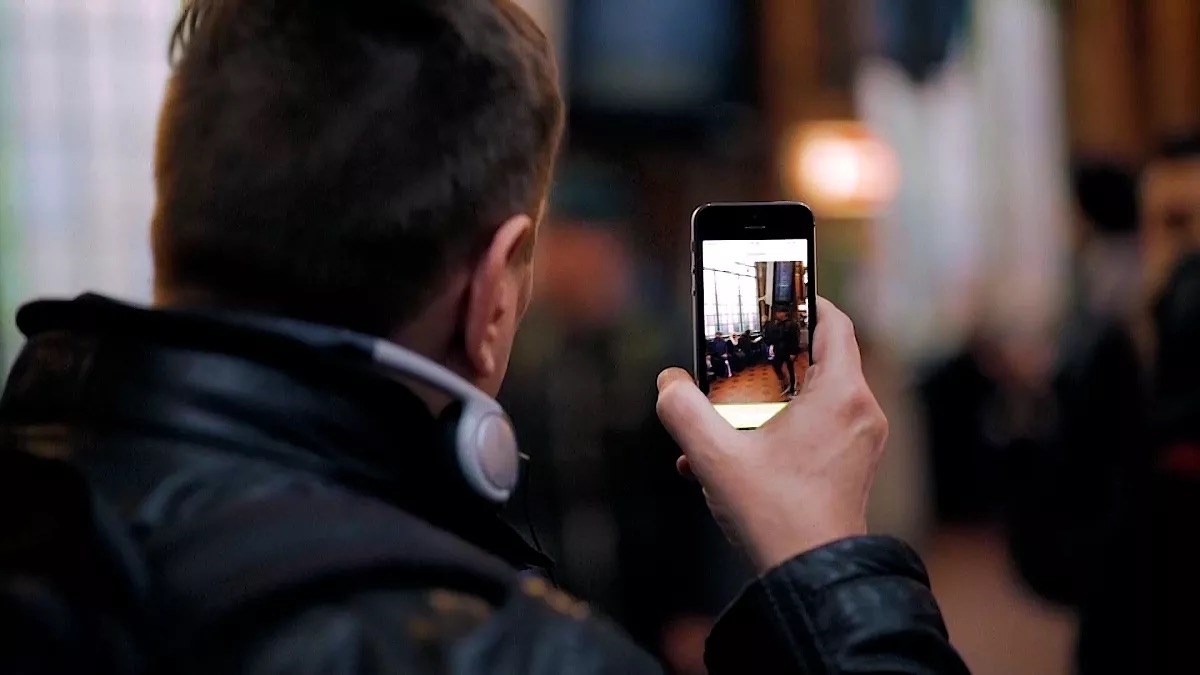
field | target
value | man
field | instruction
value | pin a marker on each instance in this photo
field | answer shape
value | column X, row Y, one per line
column 718, row 349
column 783, row 345
column 330, row 174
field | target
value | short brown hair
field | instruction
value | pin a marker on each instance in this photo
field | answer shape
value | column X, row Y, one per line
column 329, row 160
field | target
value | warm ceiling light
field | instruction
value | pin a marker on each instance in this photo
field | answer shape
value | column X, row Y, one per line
column 841, row 169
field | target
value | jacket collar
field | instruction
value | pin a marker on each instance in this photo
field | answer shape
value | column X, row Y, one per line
column 298, row 394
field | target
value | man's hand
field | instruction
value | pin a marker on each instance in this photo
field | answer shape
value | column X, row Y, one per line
column 802, row 479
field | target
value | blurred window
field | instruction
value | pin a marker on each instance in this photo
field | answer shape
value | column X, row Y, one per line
column 80, row 86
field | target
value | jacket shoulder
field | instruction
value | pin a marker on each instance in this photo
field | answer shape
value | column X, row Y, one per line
column 431, row 631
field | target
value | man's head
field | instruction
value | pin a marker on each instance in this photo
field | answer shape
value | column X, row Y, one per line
column 379, row 166
column 781, row 313
column 1170, row 216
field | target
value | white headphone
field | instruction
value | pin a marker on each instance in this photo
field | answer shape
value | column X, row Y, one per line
column 485, row 444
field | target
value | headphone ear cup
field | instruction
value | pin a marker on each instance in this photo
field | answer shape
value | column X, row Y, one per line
column 483, row 448
column 486, row 447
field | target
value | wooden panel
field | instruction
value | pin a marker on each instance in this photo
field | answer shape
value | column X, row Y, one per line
column 1102, row 79
column 794, row 86
column 788, row 76
column 1173, row 66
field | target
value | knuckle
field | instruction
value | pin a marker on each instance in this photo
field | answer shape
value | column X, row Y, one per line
column 873, row 430
column 879, row 427
column 861, row 411
column 858, row 402
column 843, row 320
column 851, row 336
column 848, row 324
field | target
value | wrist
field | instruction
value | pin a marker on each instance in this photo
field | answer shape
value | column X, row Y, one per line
column 773, row 539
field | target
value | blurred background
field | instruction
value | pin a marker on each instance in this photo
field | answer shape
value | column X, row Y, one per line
column 1006, row 194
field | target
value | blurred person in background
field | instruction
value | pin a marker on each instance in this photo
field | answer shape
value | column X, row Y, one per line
column 1167, row 588
column 600, row 494
column 960, row 397
column 1066, row 485
column 234, row 481
column 1163, row 501
column 1097, row 491
column 1074, row 475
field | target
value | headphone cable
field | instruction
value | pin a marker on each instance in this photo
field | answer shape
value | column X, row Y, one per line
column 528, row 509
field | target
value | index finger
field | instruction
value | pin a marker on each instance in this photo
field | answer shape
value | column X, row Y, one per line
column 834, row 345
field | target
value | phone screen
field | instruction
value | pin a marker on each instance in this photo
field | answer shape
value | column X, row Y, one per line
column 755, row 325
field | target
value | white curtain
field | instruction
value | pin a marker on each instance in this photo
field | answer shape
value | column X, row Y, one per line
column 977, row 234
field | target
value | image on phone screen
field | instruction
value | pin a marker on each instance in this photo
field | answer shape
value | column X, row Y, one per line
column 756, row 325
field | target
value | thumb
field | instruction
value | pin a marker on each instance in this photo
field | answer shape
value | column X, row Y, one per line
column 687, row 413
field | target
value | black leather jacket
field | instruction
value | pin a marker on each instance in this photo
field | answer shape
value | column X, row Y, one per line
column 173, row 414
column 784, row 336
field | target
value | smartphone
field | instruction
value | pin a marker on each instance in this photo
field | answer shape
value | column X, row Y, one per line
column 755, row 306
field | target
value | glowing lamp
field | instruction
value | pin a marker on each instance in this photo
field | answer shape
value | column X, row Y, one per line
column 841, row 169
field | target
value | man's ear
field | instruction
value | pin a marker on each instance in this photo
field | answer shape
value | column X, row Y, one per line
column 497, row 296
